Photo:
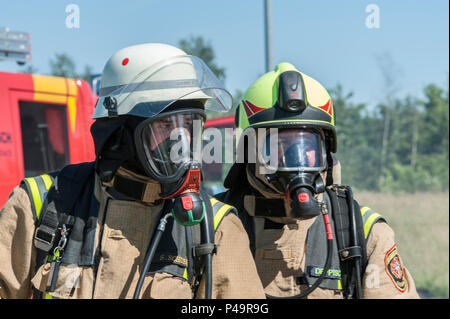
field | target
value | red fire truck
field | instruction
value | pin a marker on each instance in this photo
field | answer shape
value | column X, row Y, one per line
column 44, row 125
column 214, row 173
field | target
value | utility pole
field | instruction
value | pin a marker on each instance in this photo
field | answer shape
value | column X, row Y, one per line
column 389, row 73
column 268, row 33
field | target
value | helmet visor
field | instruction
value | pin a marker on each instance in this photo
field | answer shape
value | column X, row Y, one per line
column 297, row 150
column 157, row 87
column 168, row 144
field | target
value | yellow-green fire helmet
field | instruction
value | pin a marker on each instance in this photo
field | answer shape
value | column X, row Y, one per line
column 287, row 98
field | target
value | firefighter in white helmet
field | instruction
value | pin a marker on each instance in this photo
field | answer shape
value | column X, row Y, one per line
column 133, row 223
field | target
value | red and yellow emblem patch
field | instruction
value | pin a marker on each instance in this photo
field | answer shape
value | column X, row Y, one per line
column 394, row 268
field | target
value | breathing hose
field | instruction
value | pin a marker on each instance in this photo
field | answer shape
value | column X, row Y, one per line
column 150, row 253
column 208, row 257
column 205, row 227
column 329, row 232
column 356, row 243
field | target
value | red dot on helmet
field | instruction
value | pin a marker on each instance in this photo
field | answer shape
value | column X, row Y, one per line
column 293, row 94
column 125, row 61
column 303, row 197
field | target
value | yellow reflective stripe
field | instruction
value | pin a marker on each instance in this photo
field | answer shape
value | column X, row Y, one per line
column 35, row 194
column 339, row 285
column 220, row 215
column 185, row 274
column 213, row 201
column 364, row 210
column 47, row 181
column 38, row 205
column 369, row 222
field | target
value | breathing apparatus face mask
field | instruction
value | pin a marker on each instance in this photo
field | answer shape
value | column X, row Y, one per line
column 299, row 159
column 169, row 138
column 169, row 143
column 169, row 148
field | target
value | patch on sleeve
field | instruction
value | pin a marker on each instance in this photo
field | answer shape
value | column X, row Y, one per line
column 394, row 269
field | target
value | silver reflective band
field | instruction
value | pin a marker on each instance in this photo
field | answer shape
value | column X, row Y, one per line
column 148, row 86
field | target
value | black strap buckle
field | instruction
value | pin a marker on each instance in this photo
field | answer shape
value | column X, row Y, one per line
column 350, row 252
column 44, row 238
column 204, row 249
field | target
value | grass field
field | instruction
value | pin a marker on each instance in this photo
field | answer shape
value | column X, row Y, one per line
column 421, row 225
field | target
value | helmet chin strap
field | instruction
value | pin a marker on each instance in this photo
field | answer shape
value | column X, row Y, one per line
column 259, row 182
column 135, row 186
column 329, row 171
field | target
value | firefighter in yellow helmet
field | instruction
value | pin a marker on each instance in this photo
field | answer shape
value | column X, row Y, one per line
column 133, row 223
column 309, row 237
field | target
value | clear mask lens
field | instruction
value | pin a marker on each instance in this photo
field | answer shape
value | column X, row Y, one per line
column 168, row 144
column 297, row 150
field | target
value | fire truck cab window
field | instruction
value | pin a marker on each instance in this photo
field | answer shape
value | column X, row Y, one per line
column 44, row 137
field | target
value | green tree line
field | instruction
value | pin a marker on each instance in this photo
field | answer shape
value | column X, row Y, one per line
column 416, row 156
column 400, row 145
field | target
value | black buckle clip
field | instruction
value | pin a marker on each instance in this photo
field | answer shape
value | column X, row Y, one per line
column 350, row 252
column 110, row 103
column 204, row 249
column 44, row 238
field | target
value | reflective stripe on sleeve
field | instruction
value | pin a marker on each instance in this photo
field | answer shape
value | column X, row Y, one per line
column 213, row 201
column 220, row 213
column 369, row 222
column 47, row 181
column 35, row 194
column 364, row 210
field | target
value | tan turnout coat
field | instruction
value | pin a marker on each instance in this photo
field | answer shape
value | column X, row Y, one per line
column 280, row 256
column 125, row 236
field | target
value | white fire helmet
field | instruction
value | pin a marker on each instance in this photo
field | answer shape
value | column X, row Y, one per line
column 145, row 79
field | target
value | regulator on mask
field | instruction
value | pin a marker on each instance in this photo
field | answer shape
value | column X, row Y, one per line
column 168, row 147
column 297, row 162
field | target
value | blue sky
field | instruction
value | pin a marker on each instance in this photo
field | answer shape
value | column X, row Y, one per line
column 327, row 40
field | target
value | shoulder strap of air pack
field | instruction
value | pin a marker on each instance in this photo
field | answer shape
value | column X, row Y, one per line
column 46, row 220
column 37, row 188
column 369, row 218
column 365, row 218
column 70, row 181
column 216, row 211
